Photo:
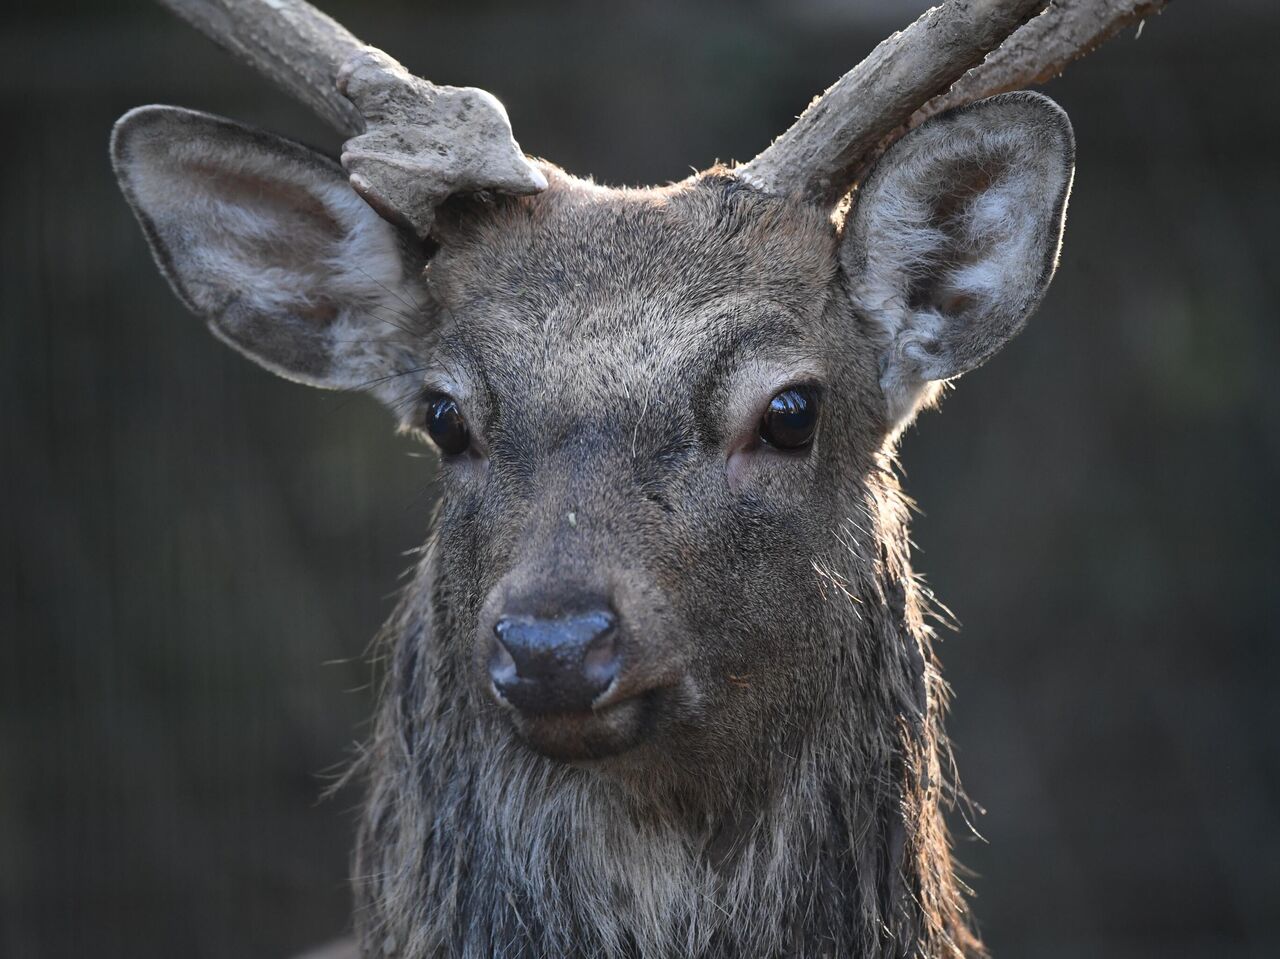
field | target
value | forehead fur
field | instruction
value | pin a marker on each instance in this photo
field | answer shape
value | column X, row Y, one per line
column 631, row 282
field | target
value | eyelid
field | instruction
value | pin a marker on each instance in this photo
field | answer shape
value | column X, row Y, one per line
column 440, row 383
column 442, row 380
column 812, row 387
column 750, row 393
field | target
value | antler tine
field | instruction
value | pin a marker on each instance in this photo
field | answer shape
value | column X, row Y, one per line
column 410, row 143
column 1043, row 48
column 921, row 71
column 817, row 157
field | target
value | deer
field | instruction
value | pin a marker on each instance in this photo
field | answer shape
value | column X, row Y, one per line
column 662, row 681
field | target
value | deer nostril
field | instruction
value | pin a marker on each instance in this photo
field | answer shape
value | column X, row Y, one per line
column 600, row 664
column 554, row 664
column 502, row 668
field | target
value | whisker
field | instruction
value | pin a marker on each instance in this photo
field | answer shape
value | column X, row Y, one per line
column 413, row 306
column 390, row 376
column 392, row 323
column 391, row 309
column 350, row 393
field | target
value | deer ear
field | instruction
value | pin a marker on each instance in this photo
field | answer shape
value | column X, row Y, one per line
column 954, row 238
column 267, row 242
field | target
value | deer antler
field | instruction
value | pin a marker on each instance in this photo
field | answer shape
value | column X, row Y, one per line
column 932, row 65
column 411, row 144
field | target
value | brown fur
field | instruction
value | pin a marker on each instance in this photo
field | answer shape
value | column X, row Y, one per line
column 786, row 800
column 773, row 786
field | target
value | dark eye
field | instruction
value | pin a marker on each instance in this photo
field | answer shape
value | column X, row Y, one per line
column 790, row 420
column 446, row 425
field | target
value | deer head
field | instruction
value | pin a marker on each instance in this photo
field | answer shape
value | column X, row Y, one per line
column 650, row 404
column 668, row 539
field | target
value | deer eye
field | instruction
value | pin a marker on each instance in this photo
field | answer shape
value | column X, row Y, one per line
column 791, row 419
column 446, row 425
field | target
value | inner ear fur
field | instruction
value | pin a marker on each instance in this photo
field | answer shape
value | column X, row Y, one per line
column 953, row 239
column 266, row 240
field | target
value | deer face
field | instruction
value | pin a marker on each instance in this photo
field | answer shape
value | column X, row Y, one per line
column 656, row 410
column 631, row 393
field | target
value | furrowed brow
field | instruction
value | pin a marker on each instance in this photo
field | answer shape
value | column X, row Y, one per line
column 773, row 337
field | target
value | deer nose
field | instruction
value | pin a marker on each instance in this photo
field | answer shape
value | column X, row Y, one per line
column 554, row 665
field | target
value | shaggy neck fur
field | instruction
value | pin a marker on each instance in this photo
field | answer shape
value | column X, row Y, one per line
column 828, row 842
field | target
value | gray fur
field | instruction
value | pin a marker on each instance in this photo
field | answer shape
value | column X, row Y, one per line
column 612, row 351
column 266, row 240
column 956, row 237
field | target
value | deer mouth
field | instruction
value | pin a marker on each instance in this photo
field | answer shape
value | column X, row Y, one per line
column 589, row 735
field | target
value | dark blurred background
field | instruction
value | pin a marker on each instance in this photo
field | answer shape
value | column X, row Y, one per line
column 194, row 555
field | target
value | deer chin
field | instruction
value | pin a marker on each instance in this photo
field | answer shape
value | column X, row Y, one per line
column 594, row 735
